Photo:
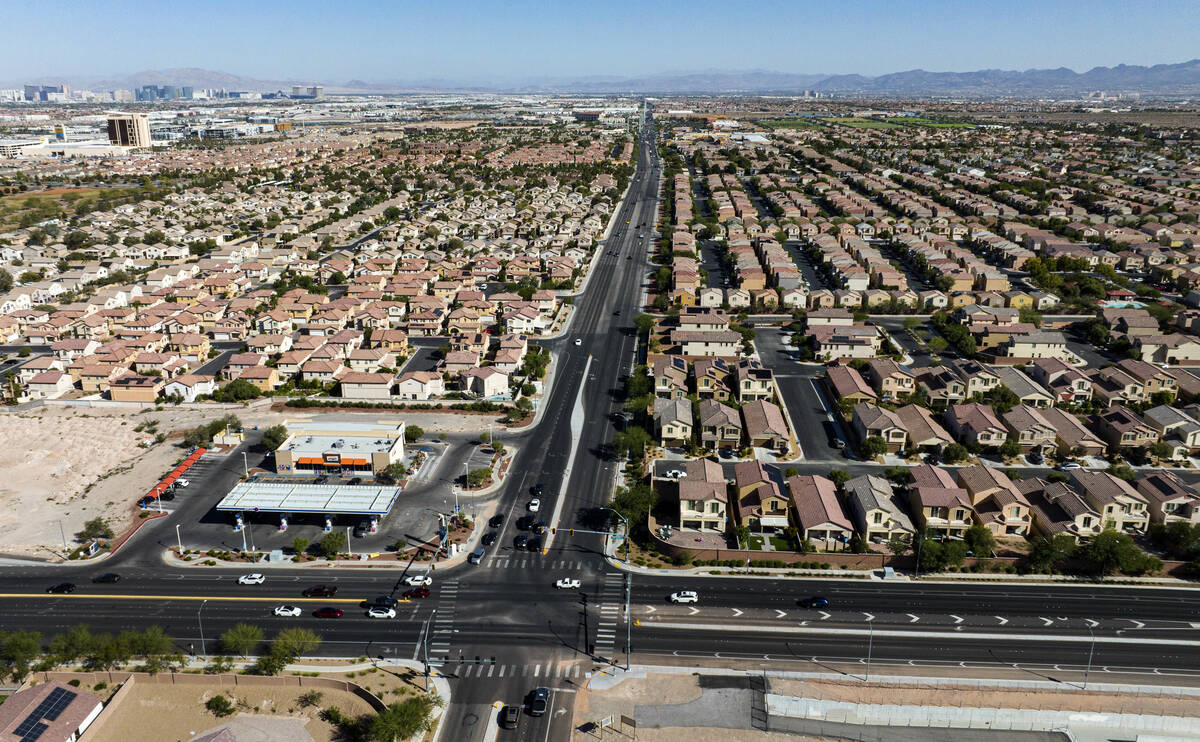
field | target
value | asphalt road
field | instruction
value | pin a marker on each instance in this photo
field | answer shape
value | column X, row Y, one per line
column 501, row 628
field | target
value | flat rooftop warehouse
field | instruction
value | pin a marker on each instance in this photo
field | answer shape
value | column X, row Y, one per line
column 324, row 499
column 318, row 444
column 340, row 446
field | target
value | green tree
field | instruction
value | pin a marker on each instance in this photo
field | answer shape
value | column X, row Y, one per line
column 237, row 390
column 980, row 541
column 954, row 453
column 898, row 546
column 394, row 472
column 274, row 436
column 241, row 639
column 403, row 719
column 413, row 433
column 839, row 477
column 635, row 503
column 873, row 446
column 477, row 477
column 151, row 641
column 6, row 281
column 293, row 643
column 644, row 323
column 1010, row 448
column 95, row 528
column 333, row 543
column 19, row 649
column 300, row 545
column 631, row 442
column 72, row 645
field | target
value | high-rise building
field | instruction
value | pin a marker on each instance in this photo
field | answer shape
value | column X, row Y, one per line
column 129, row 129
column 41, row 93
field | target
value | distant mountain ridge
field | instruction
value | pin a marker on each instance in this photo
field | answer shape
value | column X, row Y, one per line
column 1182, row 78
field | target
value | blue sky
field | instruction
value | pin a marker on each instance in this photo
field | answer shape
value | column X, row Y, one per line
column 481, row 40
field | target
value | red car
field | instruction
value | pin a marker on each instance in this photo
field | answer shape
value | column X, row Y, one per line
column 328, row 612
column 417, row 592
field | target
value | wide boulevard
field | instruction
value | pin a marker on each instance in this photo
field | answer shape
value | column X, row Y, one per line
column 498, row 629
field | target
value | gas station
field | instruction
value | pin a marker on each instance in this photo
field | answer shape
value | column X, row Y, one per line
column 303, row 498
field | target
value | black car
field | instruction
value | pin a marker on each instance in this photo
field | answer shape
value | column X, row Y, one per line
column 539, row 527
column 537, row 490
column 496, row 520
column 107, row 577
column 488, row 539
column 510, row 716
column 62, row 587
column 535, row 543
column 539, row 701
column 356, row 480
column 167, row 496
column 328, row 612
column 815, row 601
column 320, row 591
column 521, row 541
column 385, row 601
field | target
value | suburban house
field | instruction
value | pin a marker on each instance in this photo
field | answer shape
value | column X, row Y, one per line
column 1071, row 436
column 1029, row 428
column 870, row 420
column 889, row 379
column 998, row 504
column 976, row 423
column 1059, row 509
column 673, row 421
column 876, row 510
column 1120, row 505
column 765, row 426
column 760, row 505
column 818, row 514
column 939, row 504
column 703, row 496
column 720, row 426
column 420, row 385
column 1169, row 499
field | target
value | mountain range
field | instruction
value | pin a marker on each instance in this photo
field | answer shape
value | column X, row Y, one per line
column 1182, row 79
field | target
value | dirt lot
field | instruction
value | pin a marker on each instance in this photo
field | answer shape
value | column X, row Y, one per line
column 660, row 690
column 77, row 463
column 177, row 712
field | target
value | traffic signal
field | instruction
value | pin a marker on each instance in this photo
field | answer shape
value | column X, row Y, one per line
column 553, row 531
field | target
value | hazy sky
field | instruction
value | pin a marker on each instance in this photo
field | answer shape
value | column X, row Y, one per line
column 479, row 40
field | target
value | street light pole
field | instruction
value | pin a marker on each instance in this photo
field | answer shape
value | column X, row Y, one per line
column 1091, row 653
column 200, row 621
column 63, row 533
column 870, row 646
column 179, row 539
column 349, row 548
column 245, row 466
column 628, row 618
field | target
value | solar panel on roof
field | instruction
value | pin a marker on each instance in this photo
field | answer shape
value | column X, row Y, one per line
column 50, row 708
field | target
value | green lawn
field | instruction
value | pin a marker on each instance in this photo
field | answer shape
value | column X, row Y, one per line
column 857, row 123
column 789, row 124
column 910, row 121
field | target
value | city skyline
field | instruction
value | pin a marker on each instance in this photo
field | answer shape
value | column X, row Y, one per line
column 487, row 44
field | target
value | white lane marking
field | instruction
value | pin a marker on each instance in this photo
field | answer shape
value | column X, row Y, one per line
column 1001, row 619
column 913, row 617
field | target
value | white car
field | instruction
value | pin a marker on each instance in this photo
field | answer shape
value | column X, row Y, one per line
column 534, row 505
column 182, row 482
column 676, row 474
column 287, row 610
column 685, row 596
column 568, row 583
column 381, row 612
column 579, row 341
column 418, row 580
column 254, row 578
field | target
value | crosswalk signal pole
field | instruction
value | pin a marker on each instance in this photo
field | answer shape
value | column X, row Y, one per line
column 628, row 618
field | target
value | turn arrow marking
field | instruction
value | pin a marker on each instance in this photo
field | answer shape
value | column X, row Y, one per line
column 1093, row 623
column 1049, row 621
column 1001, row 619
column 736, row 612
column 693, row 610
column 957, row 619
column 869, row 616
column 824, row 615
column 781, row 613
column 1138, row 624
column 651, row 609
column 914, row 618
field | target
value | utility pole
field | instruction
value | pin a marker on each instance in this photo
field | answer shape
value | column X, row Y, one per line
column 199, row 621
column 63, row 533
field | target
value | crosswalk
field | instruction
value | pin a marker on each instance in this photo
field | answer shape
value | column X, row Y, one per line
column 442, row 630
column 526, row 562
column 500, row 671
column 611, row 603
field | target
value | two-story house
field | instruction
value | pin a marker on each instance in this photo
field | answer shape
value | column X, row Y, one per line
column 1169, row 498
column 998, row 504
column 760, row 505
column 871, row 420
column 703, row 496
column 1120, row 505
column 876, row 511
column 974, row 423
column 673, row 421
column 720, row 426
column 816, row 512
